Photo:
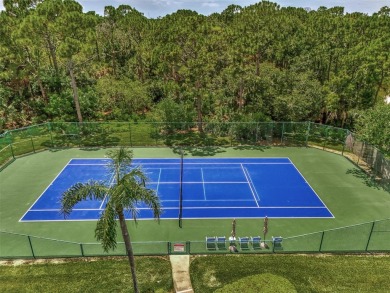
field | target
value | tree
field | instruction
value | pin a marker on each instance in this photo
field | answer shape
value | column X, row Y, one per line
column 122, row 197
column 75, row 46
column 373, row 126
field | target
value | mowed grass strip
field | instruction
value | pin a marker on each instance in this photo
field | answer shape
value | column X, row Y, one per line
column 87, row 275
column 295, row 273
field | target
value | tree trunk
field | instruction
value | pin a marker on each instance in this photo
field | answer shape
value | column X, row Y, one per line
column 43, row 91
column 140, row 69
column 240, row 101
column 129, row 248
column 379, row 85
column 52, row 50
column 199, row 110
column 329, row 67
column 75, row 92
column 199, row 107
column 258, row 63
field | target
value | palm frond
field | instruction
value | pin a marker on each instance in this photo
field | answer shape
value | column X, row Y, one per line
column 122, row 199
column 134, row 193
column 120, row 161
column 105, row 230
column 150, row 198
column 82, row 191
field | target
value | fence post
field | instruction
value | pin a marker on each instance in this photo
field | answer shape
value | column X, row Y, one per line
column 369, row 237
column 281, row 139
column 169, row 247
column 322, row 239
column 156, row 132
column 82, row 249
column 326, row 137
column 32, row 143
column 131, row 142
column 12, row 151
column 51, row 135
column 345, row 141
column 188, row 247
column 32, row 250
column 230, row 134
column 307, row 134
column 79, row 134
column 31, row 138
column 361, row 151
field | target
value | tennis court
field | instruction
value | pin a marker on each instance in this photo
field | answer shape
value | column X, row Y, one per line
column 209, row 188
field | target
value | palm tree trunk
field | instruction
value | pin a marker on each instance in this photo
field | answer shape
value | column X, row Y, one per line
column 129, row 248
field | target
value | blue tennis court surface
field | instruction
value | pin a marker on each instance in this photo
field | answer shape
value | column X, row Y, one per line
column 212, row 188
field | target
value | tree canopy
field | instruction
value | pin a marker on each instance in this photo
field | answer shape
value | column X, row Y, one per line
column 262, row 62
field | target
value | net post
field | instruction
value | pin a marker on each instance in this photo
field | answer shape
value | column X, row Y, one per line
column 181, row 190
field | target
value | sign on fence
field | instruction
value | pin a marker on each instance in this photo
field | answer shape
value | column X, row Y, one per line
column 178, row 247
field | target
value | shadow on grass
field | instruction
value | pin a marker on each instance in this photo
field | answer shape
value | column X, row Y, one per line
column 196, row 144
column 91, row 149
column 368, row 180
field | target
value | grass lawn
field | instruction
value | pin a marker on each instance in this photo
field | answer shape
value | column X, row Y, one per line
column 219, row 273
column 291, row 273
column 87, row 275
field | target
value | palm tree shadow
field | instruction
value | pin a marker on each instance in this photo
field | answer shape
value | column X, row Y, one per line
column 366, row 178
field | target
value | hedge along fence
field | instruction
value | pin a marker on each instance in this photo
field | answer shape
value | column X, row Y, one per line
column 50, row 135
column 365, row 237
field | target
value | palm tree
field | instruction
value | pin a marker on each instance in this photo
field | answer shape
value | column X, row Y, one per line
column 122, row 197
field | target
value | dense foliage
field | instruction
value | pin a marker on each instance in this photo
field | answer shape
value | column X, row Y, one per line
column 258, row 63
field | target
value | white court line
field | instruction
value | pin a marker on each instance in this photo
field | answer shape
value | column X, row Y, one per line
column 196, row 207
column 204, row 188
column 251, row 182
column 111, row 182
column 209, row 200
column 229, row 163
column 175, row 218
column 243, row 170
column 87, row 164
column 311, row 188
column 199, row 182
column 53, row 210
column 51, row 183
column 158, row 182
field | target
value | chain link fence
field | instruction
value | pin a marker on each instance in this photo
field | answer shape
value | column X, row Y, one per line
column 366, row 237
column 35, row 138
